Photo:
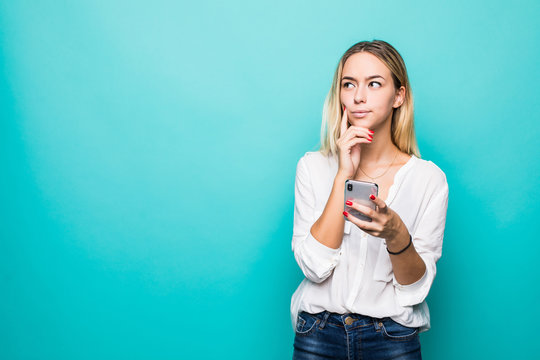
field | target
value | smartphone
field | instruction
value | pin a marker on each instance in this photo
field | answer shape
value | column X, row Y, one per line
column 359, row 192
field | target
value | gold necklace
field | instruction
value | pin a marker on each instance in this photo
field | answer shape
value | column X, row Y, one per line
column 373, row 178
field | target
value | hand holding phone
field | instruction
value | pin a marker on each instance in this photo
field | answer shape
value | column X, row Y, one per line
column 359, row 192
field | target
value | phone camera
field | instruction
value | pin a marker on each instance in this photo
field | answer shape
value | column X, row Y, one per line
column 349, row 187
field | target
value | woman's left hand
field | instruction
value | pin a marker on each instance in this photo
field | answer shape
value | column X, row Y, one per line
column 385, row 223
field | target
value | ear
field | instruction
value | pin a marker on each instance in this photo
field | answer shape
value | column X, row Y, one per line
column 400, row 97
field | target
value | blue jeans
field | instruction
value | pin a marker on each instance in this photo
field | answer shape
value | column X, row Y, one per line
column 328, row 335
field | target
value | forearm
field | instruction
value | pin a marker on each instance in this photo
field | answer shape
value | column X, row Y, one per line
column 328, row 229
column 408, row 266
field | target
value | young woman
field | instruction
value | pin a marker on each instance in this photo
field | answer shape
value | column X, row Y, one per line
column 363, row 296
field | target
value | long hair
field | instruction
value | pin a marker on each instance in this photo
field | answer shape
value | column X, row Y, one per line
column 402, row 127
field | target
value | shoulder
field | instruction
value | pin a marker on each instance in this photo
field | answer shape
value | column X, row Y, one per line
column 430, row 172
column 317, row 161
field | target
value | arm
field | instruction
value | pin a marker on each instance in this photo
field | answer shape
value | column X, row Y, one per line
column 328, row 229
column 408, row 267
column 427, row 240
column 317, row 242
column 317, row 258
column 414, row 269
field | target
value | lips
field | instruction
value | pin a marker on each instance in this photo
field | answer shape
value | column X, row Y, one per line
column 360, row 114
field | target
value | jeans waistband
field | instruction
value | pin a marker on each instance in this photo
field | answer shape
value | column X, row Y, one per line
column 347, row 319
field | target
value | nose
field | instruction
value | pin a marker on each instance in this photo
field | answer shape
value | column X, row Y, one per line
column 360, row 95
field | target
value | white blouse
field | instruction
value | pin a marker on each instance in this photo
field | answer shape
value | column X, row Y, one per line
column 357, row 277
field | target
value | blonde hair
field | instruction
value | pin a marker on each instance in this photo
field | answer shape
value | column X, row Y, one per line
column 402, row 127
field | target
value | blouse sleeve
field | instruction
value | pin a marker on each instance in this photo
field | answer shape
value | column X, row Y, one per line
column 315, row 259
column 427, row 240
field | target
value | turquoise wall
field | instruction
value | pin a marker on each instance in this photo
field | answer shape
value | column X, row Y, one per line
column 148, row 153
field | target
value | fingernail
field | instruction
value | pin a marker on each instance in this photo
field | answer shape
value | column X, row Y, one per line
column 348, row 202
column 372, row 197
column 346, row 213
column 371, row 131
column 370, row 139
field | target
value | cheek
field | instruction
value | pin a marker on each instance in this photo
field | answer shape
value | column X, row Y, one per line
column 345, row 97
column 385, row 102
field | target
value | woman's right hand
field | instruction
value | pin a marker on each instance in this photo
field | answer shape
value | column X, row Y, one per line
column 349, row 146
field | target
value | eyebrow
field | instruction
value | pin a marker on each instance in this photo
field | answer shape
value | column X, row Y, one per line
column 367, row 78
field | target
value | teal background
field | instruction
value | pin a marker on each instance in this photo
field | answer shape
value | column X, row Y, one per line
column 148, row 153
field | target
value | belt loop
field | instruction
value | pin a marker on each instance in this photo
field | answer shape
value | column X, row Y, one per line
column 376, row 323
column 325, row 318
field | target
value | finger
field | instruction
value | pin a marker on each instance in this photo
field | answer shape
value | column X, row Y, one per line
column 359, row 131
column 379, row 202
column 344, row 121
column 366, row 210
column 364, row 225
column 356, row 141
column 356, row 132
column 362, row 129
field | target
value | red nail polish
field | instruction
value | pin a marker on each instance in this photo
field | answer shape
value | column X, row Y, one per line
column 348, row 202
column 345, row 213
column 371, row 131
column 372, row 197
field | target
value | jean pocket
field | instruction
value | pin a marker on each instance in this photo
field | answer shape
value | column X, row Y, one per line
column 395, row 331
column 306, row 323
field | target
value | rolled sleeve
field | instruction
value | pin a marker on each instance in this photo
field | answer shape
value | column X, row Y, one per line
column 427, row 240
column 412, row 294
column 315, row 259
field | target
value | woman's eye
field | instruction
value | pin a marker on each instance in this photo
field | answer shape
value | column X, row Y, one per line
column 376, row 82
column 346, row 85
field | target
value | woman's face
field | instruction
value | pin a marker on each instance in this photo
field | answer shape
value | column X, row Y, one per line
column 367, row 85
